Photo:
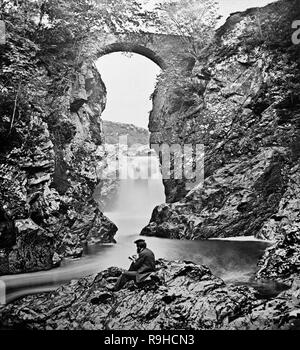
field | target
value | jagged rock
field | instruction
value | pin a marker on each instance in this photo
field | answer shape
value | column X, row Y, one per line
column 69, row 245
column 282, row 260
column 281, row 313
column 182, row 295
column 287, row 218
column 32, row 251
column 243, row 106
column 246, row 116
column 56, row 260
column 179, row 295
column 103, row 230
column 31, row 244
column 53, row 171
column 232, row 202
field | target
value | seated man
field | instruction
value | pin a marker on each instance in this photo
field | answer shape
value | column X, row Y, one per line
column 140, row 267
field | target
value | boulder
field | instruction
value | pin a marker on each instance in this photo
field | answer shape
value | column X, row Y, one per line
column 179, row 295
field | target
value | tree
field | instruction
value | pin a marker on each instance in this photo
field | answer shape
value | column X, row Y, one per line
column 193, row 20
column 44, row 46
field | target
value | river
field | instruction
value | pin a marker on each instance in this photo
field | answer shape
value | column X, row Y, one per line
column 233, row 260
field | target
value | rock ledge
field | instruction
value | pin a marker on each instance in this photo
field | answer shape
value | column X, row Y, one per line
column 180, row 295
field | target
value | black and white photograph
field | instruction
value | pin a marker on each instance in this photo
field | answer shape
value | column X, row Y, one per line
column 149, row 168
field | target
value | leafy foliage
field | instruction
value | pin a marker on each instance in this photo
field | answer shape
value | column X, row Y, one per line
column 193, row 20
column 47, row 41
column 44, row 47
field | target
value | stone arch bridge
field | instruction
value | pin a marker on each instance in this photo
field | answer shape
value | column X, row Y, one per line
column 163, row 49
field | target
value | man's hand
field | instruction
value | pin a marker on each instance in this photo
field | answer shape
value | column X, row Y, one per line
column 133, row 258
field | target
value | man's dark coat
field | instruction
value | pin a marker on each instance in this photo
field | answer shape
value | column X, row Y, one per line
column 144, row 265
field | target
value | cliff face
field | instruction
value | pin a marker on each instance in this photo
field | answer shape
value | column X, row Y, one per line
column 47, row 177
column 243, row 105
column 240, row 100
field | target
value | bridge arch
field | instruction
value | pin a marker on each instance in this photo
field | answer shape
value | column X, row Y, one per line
column 134, row 48
column 164, row 50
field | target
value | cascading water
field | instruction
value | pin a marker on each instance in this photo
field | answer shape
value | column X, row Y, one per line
column 234, row 261
column 139, row 192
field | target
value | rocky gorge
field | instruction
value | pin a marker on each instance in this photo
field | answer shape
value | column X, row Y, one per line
column 241, row 101
column 243, row 106
column 48, row 180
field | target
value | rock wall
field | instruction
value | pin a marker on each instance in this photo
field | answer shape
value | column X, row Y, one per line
column 47, row 178
column 240, row 100
column 243, row 105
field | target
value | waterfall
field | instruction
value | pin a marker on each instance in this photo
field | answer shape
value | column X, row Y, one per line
column 140, row 191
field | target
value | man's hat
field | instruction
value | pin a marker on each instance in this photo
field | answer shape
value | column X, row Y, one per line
column 140, row 241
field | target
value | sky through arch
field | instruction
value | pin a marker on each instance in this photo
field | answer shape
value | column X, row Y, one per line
column 130, row 80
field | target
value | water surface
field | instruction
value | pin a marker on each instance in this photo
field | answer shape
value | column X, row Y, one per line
column 233, row 261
